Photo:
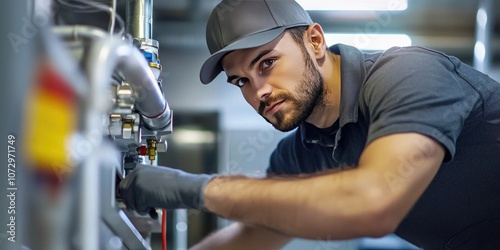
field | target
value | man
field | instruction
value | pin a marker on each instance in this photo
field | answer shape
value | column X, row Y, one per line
column 405, row 141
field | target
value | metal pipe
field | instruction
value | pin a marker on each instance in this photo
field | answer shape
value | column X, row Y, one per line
column 484, row 25
column 79, row 31
column 18, row 64
column 108, row 55
column 105, row 56
column 181, row 229
column 96, row 106
column 140, row 18
column 113, row 17
column 155, row 111
column 90, row 191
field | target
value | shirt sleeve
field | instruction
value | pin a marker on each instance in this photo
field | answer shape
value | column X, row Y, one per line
column 416, row 90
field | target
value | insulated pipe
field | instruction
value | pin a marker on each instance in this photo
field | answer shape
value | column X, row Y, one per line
column 140, row 18
column 110, row 54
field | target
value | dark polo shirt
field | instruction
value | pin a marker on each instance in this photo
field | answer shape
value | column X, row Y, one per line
column 414, row 89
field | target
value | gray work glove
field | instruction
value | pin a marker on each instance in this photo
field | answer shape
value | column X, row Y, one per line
column 149, row 187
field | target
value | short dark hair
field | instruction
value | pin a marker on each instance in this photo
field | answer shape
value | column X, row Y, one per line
column 297, row 34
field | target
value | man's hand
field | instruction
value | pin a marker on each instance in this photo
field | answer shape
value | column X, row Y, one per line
column 162, row 187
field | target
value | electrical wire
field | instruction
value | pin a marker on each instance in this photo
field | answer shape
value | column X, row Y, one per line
column 85, row 6
column 164, row 229
column 112, row 17
column 122, row 24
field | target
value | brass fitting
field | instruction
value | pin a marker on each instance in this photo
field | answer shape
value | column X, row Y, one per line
column 152, row 150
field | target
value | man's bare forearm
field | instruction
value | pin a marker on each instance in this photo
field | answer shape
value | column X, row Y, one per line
column 243, row 237
column 347, row 204
column 299, row 207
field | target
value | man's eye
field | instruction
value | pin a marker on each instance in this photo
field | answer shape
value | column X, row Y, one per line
column 267, row 63
column 241, row 82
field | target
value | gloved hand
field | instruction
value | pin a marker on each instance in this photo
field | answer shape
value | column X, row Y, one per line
column 162, row 187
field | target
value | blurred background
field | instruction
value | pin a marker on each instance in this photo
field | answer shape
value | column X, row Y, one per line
column 467, row 29
column 214, row 129
column 449, row 26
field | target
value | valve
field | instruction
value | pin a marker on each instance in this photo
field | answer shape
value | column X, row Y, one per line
column 152, row 150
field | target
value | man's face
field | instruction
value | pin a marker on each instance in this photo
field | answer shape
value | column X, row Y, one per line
column 279, row 80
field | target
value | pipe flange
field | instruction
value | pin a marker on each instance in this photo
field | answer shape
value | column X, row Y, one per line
column 149, row 42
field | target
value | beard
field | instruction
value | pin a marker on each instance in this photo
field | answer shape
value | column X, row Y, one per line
column 309, row 93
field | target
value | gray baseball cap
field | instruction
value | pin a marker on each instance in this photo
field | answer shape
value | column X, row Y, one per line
column 243, row 24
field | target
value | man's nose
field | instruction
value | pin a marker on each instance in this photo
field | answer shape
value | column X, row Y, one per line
column 263, row 90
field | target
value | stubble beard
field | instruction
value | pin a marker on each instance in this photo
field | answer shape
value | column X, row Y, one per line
column 309, row 94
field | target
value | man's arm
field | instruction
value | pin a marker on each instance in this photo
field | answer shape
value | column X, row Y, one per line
column 370, row 200
column 243, row 237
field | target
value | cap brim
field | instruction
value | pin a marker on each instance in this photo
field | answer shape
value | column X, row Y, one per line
column 212, row 67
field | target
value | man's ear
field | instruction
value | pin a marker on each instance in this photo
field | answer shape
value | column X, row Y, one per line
column 315, row 38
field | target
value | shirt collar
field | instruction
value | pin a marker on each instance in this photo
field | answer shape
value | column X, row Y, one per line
column 352, row 77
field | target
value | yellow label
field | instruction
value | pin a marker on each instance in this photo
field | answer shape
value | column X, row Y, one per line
column 50, row 121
